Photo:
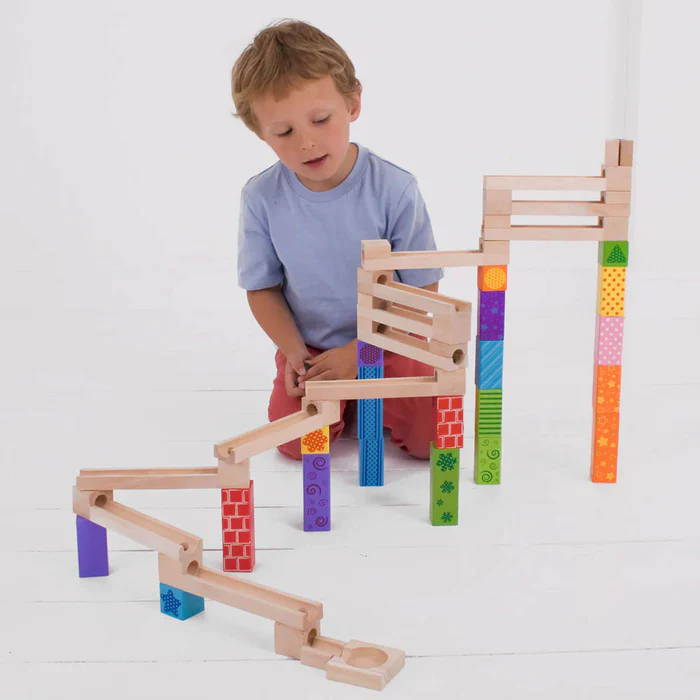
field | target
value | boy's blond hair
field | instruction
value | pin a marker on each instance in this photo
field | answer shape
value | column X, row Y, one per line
column 279, row 58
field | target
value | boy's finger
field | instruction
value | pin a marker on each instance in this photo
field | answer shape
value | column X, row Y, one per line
column 325, row 374
column 316, row 370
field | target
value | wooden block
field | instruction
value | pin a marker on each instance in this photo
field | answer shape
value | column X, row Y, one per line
column 84, row 500
column 311, row 417
column 396, row 318
column 612, row 152
column 489, row 364
column 491, row 315
column 444, row 486
column 496, row 221
column 604, row 450
column 549, row 233
column 413, row 297
column 316, row 442
column 615, row 228
column 373, row 249
column 321, row 651
column 264, row 601
column 181, row 546
column 290, row 640
column 495, row 252
column 164, row 478
column 618, row 178
column 493, row 278
column 539, row 182
column 489, row 408
column 487, row 459
column 428, row 259
column 93, row 558
column 569, row 208
column 451, row 383
column 365, row 665
column 626, row 152
column 611, row 291
column 608, row 340
column 617, row 197
column 238, row 528
column 497, row 202
column 424, row 351
column 613, row 253
column 607, row 379
column 179, row 604
column 449, row 422
column 317, row 491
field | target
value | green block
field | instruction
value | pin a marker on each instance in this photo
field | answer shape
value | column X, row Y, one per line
column 489, row 407
column 613, row 253
column 487, row 459
column 444, row 486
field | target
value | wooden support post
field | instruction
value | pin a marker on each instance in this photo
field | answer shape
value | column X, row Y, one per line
column 370, row 418
column 444, row 485
column 612, row 271
column 316, row 458
column 238, row 528
column 492, row 283
column 93, row 559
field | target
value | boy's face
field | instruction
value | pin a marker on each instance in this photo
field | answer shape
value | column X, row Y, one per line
column 310, row 122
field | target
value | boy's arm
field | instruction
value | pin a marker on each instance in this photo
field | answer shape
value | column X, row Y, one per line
column 272, row 313
column 341, row 362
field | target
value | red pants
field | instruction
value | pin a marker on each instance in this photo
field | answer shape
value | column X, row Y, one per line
column 410, row 420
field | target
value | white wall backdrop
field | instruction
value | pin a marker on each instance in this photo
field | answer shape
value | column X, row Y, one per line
column 121, row 170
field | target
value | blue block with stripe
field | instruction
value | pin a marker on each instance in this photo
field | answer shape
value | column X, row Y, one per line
column 372, row 462
column 370, row 430
column 489, row 364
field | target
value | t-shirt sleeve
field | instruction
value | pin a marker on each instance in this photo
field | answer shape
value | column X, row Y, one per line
column 410, row 229
column 258, row 264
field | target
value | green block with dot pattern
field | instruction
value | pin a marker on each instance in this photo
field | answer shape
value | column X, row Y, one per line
column 444, row 485
column 487, row 459
column 613, row 253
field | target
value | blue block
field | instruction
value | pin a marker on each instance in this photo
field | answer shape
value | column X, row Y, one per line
column 372, row 462
column 489, row 364
column 370, row 419
column 179, row 604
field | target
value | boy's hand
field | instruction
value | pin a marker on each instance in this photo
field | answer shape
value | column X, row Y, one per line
column 336, row 363
column 294, row 372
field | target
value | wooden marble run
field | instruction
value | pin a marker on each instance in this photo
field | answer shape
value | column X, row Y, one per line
column 426, row 326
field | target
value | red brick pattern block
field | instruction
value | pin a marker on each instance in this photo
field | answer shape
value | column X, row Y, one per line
column 449, row 422
column 238, row 529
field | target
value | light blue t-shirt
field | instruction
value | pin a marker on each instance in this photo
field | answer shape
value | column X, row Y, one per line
column 309, row 242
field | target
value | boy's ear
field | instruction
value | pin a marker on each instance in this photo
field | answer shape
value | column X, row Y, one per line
column 355, row 104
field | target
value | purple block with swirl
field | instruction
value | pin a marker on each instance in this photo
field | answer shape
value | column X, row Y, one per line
column 317, row 492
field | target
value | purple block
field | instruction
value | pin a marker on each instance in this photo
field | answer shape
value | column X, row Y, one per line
column 492, row 309
column 369, row 355
column 317, row 492
column 92, row 548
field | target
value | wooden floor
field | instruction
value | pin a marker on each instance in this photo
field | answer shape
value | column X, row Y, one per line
column 550, row 587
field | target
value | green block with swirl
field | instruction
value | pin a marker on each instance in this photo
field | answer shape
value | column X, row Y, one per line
column 487, row 459
column 444, row 485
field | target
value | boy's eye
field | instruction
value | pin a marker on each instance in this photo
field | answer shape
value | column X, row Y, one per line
column 319, row 121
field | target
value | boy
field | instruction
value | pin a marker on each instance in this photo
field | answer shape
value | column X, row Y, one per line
column 302, row 220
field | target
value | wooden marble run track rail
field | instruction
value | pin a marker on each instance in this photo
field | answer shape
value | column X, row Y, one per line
column 185, row 582
column 420, row 324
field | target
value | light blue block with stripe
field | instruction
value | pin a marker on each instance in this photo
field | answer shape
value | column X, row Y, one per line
column 370, row 431
column 489, row 364
column 372, row 462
